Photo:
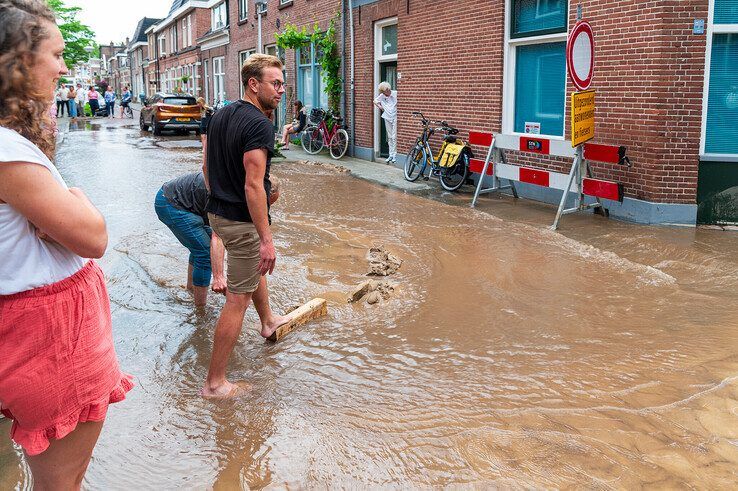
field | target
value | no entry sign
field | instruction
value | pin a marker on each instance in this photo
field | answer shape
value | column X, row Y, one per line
column 580, row 55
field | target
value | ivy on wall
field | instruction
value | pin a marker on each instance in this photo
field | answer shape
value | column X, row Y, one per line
column 326, row 53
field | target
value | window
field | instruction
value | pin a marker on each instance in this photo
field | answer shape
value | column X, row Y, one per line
column 189, row 30
column 242, row 57
column 219, row 16
column 535, row 66
column 219, row 79
column 720, row 123
column 173, row 38
column 310, row 85
column 206, row 71
column 162, row 45
column 243, row 9
column 389, row 40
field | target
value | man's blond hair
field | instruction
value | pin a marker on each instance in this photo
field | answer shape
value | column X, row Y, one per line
column 256, row 64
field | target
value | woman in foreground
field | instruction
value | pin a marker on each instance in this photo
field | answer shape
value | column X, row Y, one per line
column 58, row 368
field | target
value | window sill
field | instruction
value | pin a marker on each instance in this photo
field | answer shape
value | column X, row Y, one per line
column 243, row 21
column 284, row 5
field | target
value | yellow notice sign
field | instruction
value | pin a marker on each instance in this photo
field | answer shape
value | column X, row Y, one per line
column 582, row 117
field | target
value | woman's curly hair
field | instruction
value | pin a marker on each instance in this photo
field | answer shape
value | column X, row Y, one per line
column 24, row 106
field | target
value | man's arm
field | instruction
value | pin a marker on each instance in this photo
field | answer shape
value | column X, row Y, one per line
column 254, row 162
column 217, row 257
column 205, row 162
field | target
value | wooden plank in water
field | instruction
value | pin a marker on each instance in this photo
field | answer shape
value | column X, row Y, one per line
column 315, row 308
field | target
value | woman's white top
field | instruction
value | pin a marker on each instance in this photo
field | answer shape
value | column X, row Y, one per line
column 26, row 261
column 389, row 105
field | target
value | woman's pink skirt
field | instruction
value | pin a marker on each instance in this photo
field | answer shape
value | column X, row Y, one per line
column 57, row 362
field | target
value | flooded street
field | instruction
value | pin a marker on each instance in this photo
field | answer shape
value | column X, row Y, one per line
column 508, row 355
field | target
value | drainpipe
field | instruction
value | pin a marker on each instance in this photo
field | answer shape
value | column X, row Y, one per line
column 352, row 139
column 260, row 9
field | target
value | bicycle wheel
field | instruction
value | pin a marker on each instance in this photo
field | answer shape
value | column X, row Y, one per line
column 339, row 144
column 312, row 140
column 415, row 163
column 452, row 178
column 129, row 112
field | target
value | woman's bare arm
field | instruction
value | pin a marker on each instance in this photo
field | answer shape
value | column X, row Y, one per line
column 67, row 216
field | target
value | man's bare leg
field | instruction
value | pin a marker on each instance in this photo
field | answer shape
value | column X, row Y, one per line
column 201, row 295
column 189, row 277
column 269, row 321
column 227, row 331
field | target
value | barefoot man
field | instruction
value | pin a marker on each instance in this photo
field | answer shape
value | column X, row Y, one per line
column 239, row 150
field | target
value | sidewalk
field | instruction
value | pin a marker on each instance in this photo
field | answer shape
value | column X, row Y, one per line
column 380, row 173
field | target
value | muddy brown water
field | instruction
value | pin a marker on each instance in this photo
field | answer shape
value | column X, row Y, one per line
column 508, row 355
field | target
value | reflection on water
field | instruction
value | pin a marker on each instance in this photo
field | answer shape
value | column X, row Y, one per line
column 508, row 355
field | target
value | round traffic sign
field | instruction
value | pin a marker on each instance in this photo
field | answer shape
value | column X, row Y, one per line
column 580, row 55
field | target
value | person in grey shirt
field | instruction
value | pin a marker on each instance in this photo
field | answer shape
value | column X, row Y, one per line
column 180, row 205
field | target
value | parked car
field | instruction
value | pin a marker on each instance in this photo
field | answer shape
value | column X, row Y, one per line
column 171, row 112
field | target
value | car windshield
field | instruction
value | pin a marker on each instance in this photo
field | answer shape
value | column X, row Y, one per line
column 179, row 101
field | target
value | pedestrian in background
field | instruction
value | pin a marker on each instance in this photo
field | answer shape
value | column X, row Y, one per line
column 386, row 101
column 297, row 125
column 72, row 103
column 92, row 97
column 125, row 99
column 80, row 100
column 58, row 367
column 61, row 100
column 110, row 102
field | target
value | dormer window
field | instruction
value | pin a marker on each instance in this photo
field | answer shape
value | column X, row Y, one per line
column 219, row 16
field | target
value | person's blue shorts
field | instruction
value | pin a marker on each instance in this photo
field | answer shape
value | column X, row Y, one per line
column 191, row 231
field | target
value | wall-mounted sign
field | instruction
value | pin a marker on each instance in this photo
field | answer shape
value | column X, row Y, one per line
column 533, row 128
column 699, row 26
column 580, row 55
column 582, row 117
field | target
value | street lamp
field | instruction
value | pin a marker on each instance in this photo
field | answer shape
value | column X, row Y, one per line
column 261, row 7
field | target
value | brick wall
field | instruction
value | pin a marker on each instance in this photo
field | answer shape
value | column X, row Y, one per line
column 244, row 36
column 648, row 77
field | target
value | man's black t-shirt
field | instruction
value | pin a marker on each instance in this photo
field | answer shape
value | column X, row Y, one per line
column 234, row 130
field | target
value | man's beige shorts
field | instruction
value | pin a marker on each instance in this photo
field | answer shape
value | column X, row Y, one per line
column 241, row 241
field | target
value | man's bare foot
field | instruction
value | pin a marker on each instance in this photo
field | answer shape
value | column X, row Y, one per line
column 227, row 390
column 267, row 329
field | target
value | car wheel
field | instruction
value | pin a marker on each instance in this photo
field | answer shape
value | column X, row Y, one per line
column 144, row 126
column 157, row 127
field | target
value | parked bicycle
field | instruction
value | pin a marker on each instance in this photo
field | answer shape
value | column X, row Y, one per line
column 451, row 165
column 316, row 134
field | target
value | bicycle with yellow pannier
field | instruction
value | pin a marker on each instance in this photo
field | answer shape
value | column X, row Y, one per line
column 451, row 164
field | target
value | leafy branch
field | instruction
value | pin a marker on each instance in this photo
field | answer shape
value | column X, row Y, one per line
column 327, row 55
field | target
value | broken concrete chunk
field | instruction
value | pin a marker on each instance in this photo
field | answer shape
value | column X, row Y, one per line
column 381, row 262
column 373, row 298
column 361, row 290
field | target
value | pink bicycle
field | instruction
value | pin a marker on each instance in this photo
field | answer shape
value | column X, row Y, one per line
column 316, row 135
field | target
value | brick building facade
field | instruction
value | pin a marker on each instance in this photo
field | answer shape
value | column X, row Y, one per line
column 664, row 85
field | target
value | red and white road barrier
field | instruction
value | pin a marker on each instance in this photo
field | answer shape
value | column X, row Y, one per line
column 496, row 165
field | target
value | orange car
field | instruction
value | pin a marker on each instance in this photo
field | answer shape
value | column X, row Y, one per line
column 170, row 112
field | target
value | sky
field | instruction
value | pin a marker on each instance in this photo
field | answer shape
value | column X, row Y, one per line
column 115, row 21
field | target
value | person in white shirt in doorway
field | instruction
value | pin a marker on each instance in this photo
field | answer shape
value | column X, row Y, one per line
column 386, row 101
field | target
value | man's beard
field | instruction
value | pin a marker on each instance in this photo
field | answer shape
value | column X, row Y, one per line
column 267, row 103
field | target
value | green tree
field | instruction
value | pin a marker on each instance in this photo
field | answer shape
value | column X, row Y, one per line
column 77, row 36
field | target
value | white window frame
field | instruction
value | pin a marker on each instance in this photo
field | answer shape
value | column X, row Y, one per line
column 214, row 16
column 173, row 39
column 162, row 40
column 710, row 30
column 242, row 57
column 219, row 79
column 189, row 30
column 380, row 58
column 206, row 71
column 508, row 77
column 243, row 10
